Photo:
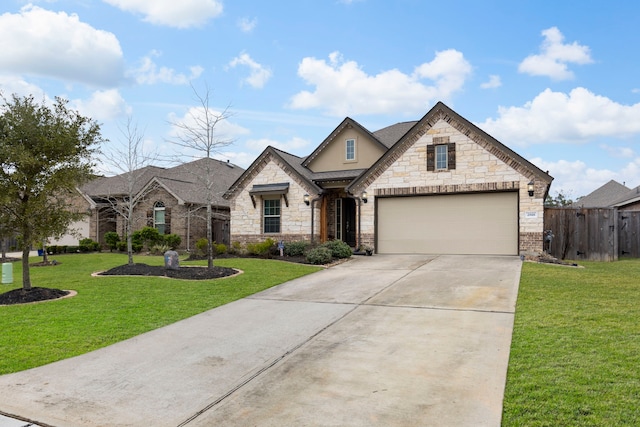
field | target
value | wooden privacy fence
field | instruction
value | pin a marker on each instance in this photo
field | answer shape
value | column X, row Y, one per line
column 594, row 234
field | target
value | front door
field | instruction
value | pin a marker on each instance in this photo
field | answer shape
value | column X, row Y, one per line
column 346, row 221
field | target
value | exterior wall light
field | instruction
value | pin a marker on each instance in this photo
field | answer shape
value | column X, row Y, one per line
column 365, row 196
column 530, row 188
column 306, row 199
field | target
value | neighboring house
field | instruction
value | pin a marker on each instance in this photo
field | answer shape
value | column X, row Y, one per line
column 611, row 195
column 78, row 202
column 173, row 200
column 438, row 185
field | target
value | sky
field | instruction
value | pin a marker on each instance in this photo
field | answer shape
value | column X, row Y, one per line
column 558, row 82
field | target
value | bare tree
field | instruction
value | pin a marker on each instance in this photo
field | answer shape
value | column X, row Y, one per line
column 199, row 132
column 131, row 160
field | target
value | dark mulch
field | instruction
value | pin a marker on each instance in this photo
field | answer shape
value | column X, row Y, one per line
column 21, row 296
column 190, row 273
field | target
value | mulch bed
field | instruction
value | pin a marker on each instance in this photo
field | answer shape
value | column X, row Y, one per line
column 20, row 296
column 189, row 273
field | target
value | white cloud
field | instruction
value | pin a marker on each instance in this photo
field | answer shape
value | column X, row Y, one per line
column 103, row 105
column 619, row 152
column 559, row 117
column 494, row 82
column 259, row 75
column 555, row 56
column 12, row 84
column 195, row 119
column 575, row 179
column 294, row 144
column 56, row 44
column 247, row 25
column 172, row 13
column 149, row 73
column 343, row 88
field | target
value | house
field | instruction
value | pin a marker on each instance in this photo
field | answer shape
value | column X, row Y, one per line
column 433, row 186
column 173, row 200
column 611, row 195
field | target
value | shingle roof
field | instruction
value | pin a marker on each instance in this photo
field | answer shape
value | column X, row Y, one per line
column 183, row 181
column 605, row 196
column 392, row 134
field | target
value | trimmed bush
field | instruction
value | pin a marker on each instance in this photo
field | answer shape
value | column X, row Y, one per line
column 296, row 248
column 262, row 248
column 220, row 248
column 201, row 246
column 172, row 240
column 319, row 255
column 236, row 248
column 111, row 238
column 88, row 245
column 338, row 248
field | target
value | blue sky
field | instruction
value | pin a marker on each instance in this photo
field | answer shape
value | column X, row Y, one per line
column 556, row 81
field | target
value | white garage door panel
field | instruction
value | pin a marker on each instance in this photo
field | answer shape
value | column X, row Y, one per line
column 484, row 223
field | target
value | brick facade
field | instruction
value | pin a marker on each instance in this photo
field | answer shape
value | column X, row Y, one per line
column 482, row 165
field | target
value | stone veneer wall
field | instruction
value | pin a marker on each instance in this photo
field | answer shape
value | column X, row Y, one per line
column 478, row 169
column 295, row 219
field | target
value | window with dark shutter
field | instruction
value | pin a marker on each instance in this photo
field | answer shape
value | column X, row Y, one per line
column 451, row 155
column 441, row 155
column 431, row 157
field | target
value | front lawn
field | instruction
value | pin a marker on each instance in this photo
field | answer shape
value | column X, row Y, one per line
column 575, row 352
column 109, row 309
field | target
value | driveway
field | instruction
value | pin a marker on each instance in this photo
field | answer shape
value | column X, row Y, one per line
column 387, row 340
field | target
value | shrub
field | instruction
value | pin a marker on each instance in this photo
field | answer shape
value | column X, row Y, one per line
column 135, row 246
column 338, row 248
column 112, row 239
column 236, row 248
column 220, row 248
column 148, row 236
column 172, row 240
column 88, row 245
column 202, row 245
column 159, row 249
column 296, row 248
column 319, row 255
column 262, row 248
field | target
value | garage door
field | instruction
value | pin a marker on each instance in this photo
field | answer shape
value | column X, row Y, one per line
column 483, row 223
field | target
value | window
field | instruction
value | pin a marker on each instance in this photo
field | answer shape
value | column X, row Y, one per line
column 271, row 215
column 350, row 149
column 441, row 157
column 159, row 217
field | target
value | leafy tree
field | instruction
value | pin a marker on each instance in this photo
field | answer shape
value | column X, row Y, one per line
column 45, row 154
column 559, row 201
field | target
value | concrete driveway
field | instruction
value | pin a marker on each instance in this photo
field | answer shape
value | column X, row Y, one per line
column 388, row 340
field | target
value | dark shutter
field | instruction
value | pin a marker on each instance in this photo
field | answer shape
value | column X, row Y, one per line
column 451, row 155
column 431, row 157
column 167, row 220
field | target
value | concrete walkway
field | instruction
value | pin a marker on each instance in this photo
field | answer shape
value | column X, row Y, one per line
column 377, row 341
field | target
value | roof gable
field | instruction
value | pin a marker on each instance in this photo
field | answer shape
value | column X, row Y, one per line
column 347, row 126
column 181, row 181
column 442, row 112
column 290, row 163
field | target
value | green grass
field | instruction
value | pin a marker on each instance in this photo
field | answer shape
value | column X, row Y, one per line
column 111, row 309
column 575, row 354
